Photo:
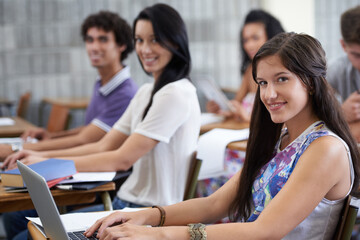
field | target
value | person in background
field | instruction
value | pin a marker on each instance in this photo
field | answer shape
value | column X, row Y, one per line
column 344, row 72
column 108, row 42
column 259, row 26
column 157, row 135
column 295, row 179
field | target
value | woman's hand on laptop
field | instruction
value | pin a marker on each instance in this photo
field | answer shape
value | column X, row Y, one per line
column 117, row 218
column 132, row 231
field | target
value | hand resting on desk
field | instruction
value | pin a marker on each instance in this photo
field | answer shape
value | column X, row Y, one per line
column 36, row 132
column 26, row 156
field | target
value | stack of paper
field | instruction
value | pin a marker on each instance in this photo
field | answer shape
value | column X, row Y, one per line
column 6, row 121
column 17, row 140
column 212, row 147
column 90, row 177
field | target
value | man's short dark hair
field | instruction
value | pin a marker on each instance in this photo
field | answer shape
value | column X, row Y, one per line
column 350, row 25
column 111, row 22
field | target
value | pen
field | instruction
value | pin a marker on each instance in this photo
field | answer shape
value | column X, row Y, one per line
column 64, row 187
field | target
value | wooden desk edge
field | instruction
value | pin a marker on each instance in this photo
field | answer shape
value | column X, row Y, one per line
column 12, row 201
column 72, row 103
column 239, row 145
column 34, row 232
column 227, row 124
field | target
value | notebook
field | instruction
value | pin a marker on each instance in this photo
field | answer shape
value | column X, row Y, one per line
column 45, row 206
column 212, row 92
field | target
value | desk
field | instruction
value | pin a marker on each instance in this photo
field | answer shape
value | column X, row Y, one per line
column 10, row 202
column 228, row 124
column 233, row 159
column 71, row 103
column 15, row 130
column 238, row 146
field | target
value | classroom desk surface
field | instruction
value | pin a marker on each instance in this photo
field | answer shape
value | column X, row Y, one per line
column 240, row 145
column 21, row 201
column 72, row 103
column 15, row 130
column 228, row 124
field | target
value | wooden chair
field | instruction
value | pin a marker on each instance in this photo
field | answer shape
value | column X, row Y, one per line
column 58, row 118
column 347, row 221
column 192, row 179
column 23, row 105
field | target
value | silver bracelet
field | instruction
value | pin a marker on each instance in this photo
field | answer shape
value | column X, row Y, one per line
column 197, row 231
column 15, row 147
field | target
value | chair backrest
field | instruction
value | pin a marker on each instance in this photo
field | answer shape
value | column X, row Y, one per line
column 347, row 221
column 23, row 105
column 58, row 118
column 192, row 179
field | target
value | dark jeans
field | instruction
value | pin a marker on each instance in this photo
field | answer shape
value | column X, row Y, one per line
column 16, row 224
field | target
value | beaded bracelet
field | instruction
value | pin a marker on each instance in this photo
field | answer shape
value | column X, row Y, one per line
column 197, row 231
column 162, row 215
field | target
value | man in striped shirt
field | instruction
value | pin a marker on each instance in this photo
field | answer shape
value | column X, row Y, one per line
column 108, row 41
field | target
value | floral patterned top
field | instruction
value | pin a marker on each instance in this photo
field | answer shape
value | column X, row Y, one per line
column 275, row 173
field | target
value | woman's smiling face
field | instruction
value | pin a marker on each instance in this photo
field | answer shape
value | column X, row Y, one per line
column 283, row 93
column 153, row 56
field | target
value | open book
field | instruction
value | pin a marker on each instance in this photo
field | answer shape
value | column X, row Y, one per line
column 211, row 149
column 212, row 92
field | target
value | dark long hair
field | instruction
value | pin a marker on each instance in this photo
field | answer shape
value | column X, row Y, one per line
column 302, row 55
column 272, row 27
column 170, row 32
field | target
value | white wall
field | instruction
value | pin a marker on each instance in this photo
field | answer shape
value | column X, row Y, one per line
column 295, row 16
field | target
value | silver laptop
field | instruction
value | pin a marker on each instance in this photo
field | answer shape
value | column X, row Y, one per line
column 45, row 206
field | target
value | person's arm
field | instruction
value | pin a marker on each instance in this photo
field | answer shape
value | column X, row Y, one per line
column 43, row 134
column 351, row 107
column 355, row 130
column 108, row 155
column 247, row 83
column 206, row 210
column 88, row 134
column 319, row 173
column 135, row 146
column 5, row 150
column 213, row 107
column 244, row 87
column 240, row 112
column 322, row 171
column 66, row 133
column 112, row 140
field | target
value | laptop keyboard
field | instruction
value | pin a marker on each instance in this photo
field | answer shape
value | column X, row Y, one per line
column 80, row 235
